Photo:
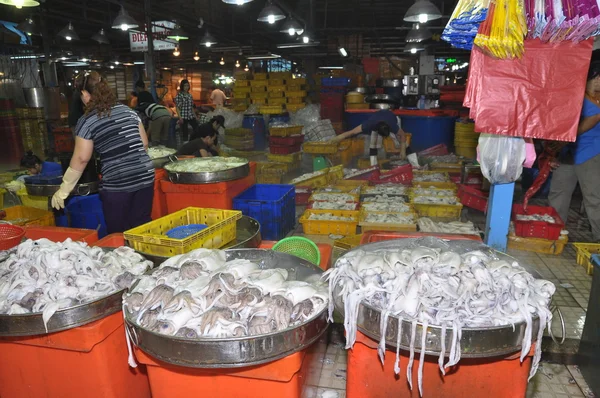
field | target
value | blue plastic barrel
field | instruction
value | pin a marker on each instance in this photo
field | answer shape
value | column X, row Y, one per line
column 353, row 119
column 256, row 123
column 428, row 131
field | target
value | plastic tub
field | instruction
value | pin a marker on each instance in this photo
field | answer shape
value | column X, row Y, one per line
column 86, row 212
column 372, row 236
column 537, row 229
column 584, row 254
column 112, row 240
column 325, row 249
column 473, row 197
column 88, row 361
column 326, row 227
column 58, row 234
column 39, row 202
column 537, row 245
column 23, row 215
column 429, row 131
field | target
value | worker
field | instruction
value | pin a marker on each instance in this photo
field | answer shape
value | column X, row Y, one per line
column 160, row 122
column 143, row 95
column 185, row 109
column 380, row 125
column 217, row 97
column 213, row 125
column 117, row 134
column 581, row 162
column 201, row 146
column 35, row 166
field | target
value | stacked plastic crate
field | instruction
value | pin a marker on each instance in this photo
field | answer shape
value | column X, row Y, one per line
column 241, row 91
column 333, row 91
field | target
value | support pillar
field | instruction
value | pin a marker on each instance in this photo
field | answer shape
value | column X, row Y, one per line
column 498, row 215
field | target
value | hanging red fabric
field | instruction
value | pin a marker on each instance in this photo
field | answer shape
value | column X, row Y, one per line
column 537, row 96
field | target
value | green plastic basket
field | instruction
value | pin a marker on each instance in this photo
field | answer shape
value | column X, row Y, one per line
column 299, row 247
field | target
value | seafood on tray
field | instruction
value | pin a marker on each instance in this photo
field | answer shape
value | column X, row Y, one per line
column 349, row 173
column 390, row 189
column 390, row 218
column 536, row 217
column 430, row 177
column 202, row 295
column 455, row 227
column 378, row 206
column 438, row 200
column 330, row 205
column 385, row 198
column 308, row 176
column 450, row 158
column 200, row 165
column 160, row 151
column 44, row 276
column 439, row 286
column 333, row 197
column 433, row 192
column 329, row 217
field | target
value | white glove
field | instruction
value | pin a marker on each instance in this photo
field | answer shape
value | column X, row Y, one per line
column 70, row 179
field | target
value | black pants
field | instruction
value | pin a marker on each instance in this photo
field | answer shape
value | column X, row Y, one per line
column 126, row 210
column 184, row 128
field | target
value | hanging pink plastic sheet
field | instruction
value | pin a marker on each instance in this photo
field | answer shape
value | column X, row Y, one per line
column 537, row 96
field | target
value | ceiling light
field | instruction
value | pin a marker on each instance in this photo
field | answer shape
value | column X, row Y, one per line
column 139, row 63
column 222, row 61
column 246, row 68
column 178, row 34
column 28, row 26
column 209, row 60
column 271, row 14
column 20, row 3
column 418, row 33
column 413, row 48
column 331, row 67
column 196, row 56
column 237, row 2
column 128, row 63
column 68, row 33
column 422, row 11
column 292, row 27
column 112, row 67
column 305, row 39
column 100, row 37
column 208, row 40
column 124, row 21
column 237, row 64
column 176, row 51
column 343, row 52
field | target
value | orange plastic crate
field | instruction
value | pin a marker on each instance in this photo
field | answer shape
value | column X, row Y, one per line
column 88, row 361
column 159, row 202
column 59, row 234
column 281, row 378
column 497, row 377
column 112, row 240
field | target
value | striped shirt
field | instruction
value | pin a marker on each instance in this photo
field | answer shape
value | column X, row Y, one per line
column 155, row 111
column 126, row 166
column 185, row 104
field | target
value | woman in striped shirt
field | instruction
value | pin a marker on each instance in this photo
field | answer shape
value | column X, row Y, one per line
column 117, row 134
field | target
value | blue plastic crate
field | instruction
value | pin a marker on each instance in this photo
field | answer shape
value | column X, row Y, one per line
column 273, row 206
column 89, row 220
column 335, row 81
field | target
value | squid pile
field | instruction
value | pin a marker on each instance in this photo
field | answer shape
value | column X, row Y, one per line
column 385, row 198
column 455, row 227
column 199, row 165
column 390, row 218
column 307, row 176
column 395, row 207
column 536, row 217
column 202, row 295
column 433, row 192
column 330, row 205
column 329, row 217
column 390, row 189
column 333, row 197
column 44, row 276
column 437, row 284
column 438, row 200
column 430, row 177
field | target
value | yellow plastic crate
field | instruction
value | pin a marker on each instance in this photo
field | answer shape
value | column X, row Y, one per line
column 23, row 215
column 294, row 87
column 240, row 108
column 259, row 95
column 538, row 245
column 258, row 89
column 365, row 162
column 297, row 81
column 341, row 246
column 295, row 107
column 295, row 101
column 358, row 146
column 269, row 178
column 343, row 188
column 150, row 238
column 271, row 109
column 438, row 212
column 276, row 94
column 276, row 88
column 39, row 202
column 272, row 168
column 260, row 76
column 239, row 132
column 584, row 255
column 314, row 182
column 468, row 152
column 371, row 226
column 241, row 91
column 326, row 227
column 351, row 183
column 280, row 75
column 320, row 148
column 290, row 158
column 240, row 101
column 446, row 167
column 276, row 82
column 242, row 83
column 241, row 75
column 285, row 131
column 277, row 101
column 258, row 83
column 261, row 102
column 412, row 194
column 335, row 174
column 355, row 197
column 390, row 147
column 296, row 94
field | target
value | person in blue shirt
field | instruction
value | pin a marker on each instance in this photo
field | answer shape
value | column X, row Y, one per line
column 583, row 164
column 35, row 166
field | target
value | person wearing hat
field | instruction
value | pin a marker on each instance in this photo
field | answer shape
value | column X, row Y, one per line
column 380, row 125
column 583, row 163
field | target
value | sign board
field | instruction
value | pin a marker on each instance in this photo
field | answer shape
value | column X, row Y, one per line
column 138, row 42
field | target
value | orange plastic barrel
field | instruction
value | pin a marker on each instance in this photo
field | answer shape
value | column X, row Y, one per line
column 497, row 377
column 159, row 202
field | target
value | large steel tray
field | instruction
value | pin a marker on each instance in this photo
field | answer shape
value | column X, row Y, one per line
column 68, row 318
column 237, row 351
column 475, row 342
column 247, row 237
column 50, row 190
column 209, row 176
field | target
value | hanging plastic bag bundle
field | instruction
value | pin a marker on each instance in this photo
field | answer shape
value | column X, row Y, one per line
column 502, row 33
column 501, row 157
column 462, row 27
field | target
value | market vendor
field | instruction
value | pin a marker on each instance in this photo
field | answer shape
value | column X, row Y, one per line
column 35, row 166
column 380, row 125
column 205, row 129
column 581, row 162
column 115, row 132
column 201, row 146
column 160, row 122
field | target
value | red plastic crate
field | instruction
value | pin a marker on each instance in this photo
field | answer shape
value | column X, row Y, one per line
column 159, row 201
column 366, row 175
column 471, row 179
column 285, row 141
column 302, row 197
column 437, row 150
column 59, row 234
column 400, row 175
column 284, row 150
column 537, row 229
column 378, row 236
column 473, row 197
column 496, row 377
column 112, row 240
